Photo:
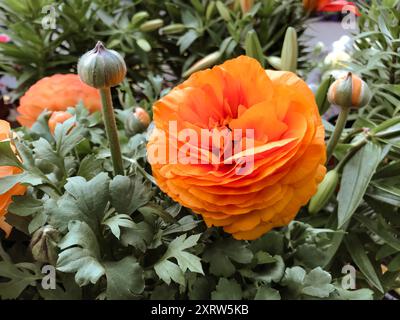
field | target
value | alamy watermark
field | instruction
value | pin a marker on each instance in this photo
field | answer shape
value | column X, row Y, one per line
column 218, row 146
column 50, row 18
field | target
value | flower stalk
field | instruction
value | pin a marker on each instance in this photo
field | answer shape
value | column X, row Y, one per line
column 102, row 69
column 340, row 124
column 111, row 130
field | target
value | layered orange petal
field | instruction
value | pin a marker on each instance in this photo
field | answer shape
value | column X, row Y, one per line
column 286, row 150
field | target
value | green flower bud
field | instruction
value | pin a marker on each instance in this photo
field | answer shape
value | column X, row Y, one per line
column 289, row 51
column 139, row 17
column 151, row 25
column 44, row 245
column 223, row 11
column 137, row 122
column 173, row 28
column 210, row 10
column 321, row 95
column 101, row 68
column 325, row 191
column 275, row 62
column 204, row 63
column 253, row 47
column 349, row 91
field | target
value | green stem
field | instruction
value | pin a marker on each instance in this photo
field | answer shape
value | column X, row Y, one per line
column 340, row 124
column 111, row 130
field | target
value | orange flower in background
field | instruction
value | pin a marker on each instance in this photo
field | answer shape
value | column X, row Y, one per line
column 288, row 148
column 5, row 171
column 58, row 117
column 56, row 93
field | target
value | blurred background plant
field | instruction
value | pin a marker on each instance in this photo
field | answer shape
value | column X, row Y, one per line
column 162, row 37
column 365, row 201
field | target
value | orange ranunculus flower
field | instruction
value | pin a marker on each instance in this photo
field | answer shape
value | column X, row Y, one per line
column 5, row 199
column 56, row 93
column 288, row 148
column 58, row 117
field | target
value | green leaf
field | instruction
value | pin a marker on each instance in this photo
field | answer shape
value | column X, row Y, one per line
column 267, row 293
column 67, row 136
column 381, row 229
column 80, row 253
column 129, row 193
column 7, row 155
column 294, row 279
column 356, row 176
column 6, row 183
column 227, row 290
column 186, row 40
column 317, row 283
column 117, row 221
column 221, row 254
column 271, row 272
column 167, row 270
column 84, row 200
column 357, row 252
column 19, row 276
column 125, row 279
column 90, row 167
column 361, row 294
column 138, row 236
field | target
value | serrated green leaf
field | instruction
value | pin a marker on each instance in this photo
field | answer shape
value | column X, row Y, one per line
column 227, row 290
column 80, row 253
column 90, row 167
column 267, row 293
column 167, row 270
column 125, row 279
column 220, row 254
column 317, row 283
column 129, row 193
column 117, row 221
column 85, row 201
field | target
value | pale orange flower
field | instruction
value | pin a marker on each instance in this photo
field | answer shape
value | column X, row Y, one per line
column 288, row 151
column 56, row 93
column 58, row 117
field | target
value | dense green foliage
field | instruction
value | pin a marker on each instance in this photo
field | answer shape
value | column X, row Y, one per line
column 133, row 28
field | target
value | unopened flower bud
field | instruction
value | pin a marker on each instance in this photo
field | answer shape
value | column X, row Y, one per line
column 151, row 25
column 173, row 28
column 206, row 62
column 325, row 191
column 253, row 47
column 58, row 117
column 137, row 122
column 210, row 10
column 44, row 245
column 101, row 67
column 349, row 91
column 223, row 11
column 139, row 17
column 275, row 62
column 289, row 51
column 246, row 5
